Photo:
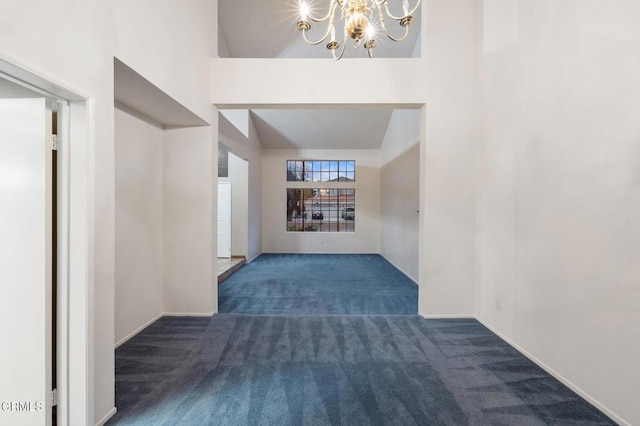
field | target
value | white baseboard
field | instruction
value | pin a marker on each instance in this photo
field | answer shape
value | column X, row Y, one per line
column 188, row 314
column 156, row 318
column 613, row 416
column 447, row 316
column 139, row 329
column 399, row 269
column 106, row 418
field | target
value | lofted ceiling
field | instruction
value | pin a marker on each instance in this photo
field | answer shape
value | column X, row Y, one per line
column 321, row 128
column 267, row 29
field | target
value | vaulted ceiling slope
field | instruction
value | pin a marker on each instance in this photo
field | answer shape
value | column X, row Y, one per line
column 321, row 128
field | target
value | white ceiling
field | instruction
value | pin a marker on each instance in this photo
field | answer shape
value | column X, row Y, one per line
column 321, row 128
column 267, row 29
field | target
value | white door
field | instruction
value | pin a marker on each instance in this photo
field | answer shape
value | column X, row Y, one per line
column 224, row 219
column 25, row 262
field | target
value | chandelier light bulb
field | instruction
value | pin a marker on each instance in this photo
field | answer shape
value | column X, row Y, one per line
column 304, row 10
column 371, row 32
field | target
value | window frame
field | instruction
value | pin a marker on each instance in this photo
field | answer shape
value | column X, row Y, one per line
column 305, row 213
column 321, row 171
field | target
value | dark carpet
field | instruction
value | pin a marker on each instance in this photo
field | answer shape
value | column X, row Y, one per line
column 331, row 340
column 334, row 370
column 319, row 284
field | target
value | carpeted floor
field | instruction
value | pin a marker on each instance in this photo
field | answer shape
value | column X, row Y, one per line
column 319, row 284
column 302, row 353
column 334, row 370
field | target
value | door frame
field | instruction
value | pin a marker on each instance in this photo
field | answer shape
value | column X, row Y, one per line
column 230, row 227
column 75, row 238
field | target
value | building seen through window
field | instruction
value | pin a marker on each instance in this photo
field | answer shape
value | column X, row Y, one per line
column 321, row 209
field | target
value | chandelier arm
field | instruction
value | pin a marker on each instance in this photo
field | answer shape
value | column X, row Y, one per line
column 406, row 33
column 357, row 24
column 398, row 18
column 313, row 43
column 344, row 45
column 386, row 31
column 330, row 13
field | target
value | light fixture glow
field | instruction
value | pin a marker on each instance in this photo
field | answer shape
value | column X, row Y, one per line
column 304, row 10
column 358, row 17
column 370, row 31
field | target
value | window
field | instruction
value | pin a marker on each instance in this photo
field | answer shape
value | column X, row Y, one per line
column 321, row 171
column 321, row 209
column 223, row 160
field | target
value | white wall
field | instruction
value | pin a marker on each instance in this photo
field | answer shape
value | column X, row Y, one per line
column 447, row 286
column 559, row 197
column 139, row 224
column 365, row 239
column 190, row 214
column 400, row 191
column 247, row 148
column 171, row 47
column 240, row 82
column 239, row 178
column 170, row 44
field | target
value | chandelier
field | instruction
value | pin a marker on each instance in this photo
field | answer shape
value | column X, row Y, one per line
column 359, row 22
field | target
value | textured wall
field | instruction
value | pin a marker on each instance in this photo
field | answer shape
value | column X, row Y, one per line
column 139, row 225
column 400, row 191
column 559, row 195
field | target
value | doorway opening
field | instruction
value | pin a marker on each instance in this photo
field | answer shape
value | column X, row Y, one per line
column 49, row 322
column 384, row 142
column 233, row 192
